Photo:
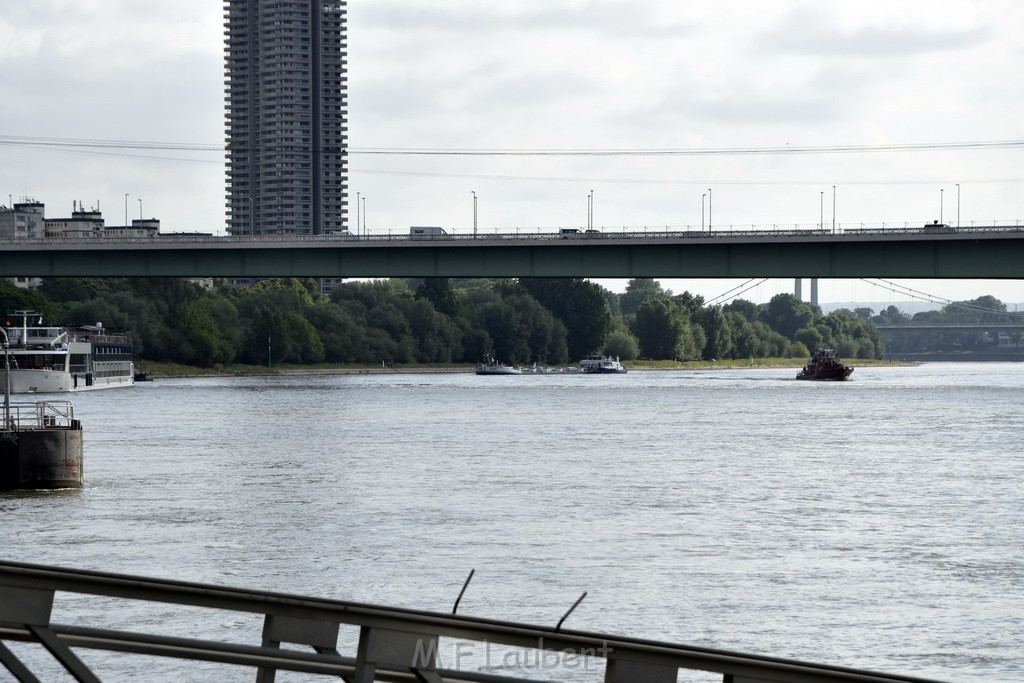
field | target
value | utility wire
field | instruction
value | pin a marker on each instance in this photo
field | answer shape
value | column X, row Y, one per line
column 709, row 151
column 103, row 147
column 533, row 178
column 418, row 151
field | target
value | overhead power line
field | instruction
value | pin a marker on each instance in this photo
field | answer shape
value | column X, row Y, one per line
column 698, row 151
column 67, row 143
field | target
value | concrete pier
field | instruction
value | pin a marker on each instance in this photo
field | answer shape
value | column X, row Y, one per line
column 41, row 447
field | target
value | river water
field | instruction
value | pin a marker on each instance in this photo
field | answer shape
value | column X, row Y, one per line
column 877, row 523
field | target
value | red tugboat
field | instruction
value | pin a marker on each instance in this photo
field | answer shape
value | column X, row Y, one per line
column 824, row 365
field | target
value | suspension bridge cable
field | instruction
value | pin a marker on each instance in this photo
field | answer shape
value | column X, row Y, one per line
column 737, row 294
column 931, row 298
column 725, row 295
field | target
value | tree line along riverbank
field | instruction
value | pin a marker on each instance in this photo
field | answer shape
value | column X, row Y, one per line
column 435, row 322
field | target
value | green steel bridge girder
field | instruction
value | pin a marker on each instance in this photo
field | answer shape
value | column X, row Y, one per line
column 928, row 258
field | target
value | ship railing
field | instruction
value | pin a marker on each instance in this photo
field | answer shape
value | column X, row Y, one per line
column 384, row 643
column 100, row 337
column 26, row 415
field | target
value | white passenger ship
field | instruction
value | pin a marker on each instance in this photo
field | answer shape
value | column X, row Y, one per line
column 46, row 360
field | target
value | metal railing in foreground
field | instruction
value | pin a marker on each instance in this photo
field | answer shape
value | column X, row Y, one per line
column 41, row 415
column 393, row 644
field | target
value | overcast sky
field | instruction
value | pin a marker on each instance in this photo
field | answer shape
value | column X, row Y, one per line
column 556, row 75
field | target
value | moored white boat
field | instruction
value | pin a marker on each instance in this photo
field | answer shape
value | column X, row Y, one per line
column 45, row 360
column 490, row 366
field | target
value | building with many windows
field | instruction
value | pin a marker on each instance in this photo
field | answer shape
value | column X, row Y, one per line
column 27, row 220
column 287, row 122
column 23, row 220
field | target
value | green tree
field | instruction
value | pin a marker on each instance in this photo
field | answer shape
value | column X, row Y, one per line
column 440, row 292
column 341, row 335
column 786, row 314
column 18, row 299
column 621, row 343
column 799, row 350
column 73, row 289
column 748, row 309
column 639, row 290
column 717, row 333
column 580, row 305
column 437, row 339
column 810, row 337
column 203, row 344
column 662, row 329
column 505, row 327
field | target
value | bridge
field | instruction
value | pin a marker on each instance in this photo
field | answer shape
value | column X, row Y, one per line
column 952, row 327
column 390, row 644
column 991, row 252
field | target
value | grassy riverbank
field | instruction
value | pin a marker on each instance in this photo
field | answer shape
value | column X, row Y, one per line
column 240, row 370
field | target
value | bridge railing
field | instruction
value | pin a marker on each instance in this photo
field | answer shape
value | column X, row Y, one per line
column 393, row 644
column 544, row 233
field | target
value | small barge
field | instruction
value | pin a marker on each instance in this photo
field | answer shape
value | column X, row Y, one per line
column 824, row 366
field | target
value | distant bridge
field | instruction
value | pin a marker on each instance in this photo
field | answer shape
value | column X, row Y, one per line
column 995, row 252
column 950, row 327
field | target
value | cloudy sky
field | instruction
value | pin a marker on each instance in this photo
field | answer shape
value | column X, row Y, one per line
column 557, row 75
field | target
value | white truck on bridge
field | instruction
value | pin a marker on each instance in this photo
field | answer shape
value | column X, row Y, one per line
column 426, row 231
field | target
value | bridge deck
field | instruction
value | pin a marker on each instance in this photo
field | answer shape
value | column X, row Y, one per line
column 976, row 253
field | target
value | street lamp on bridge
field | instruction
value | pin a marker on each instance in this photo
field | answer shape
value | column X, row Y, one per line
column 590, row 210
column 833, row 209
column 473, row 192
column 709, row 209
column 941, row 192
column 958, row 205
